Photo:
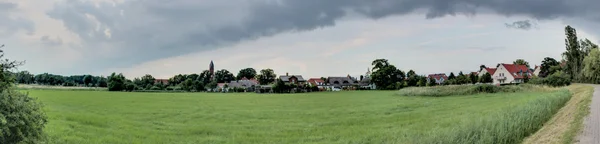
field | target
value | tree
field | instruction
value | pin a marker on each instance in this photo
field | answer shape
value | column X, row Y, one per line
column 573, row 55
column 481, row 67
column 116, row 82
column 212, row 85
column 486, row 78
column 431, row 82
column 474, row 78
column 248, row 73
column 147, row 81
column 591, row 69
column 546, row 67
column 587, row 46
column 422, row 81
column 387, row 77
column 224, row 76
column 379, row 63
column 525, row 77
column 204, row 77
column 266, row 76
column 451, row 76
column 22, row 119
column 102, row 82
column 361, row 77
column 187, row 85
column 198, row 85
column 87, row 79
column 521, row 62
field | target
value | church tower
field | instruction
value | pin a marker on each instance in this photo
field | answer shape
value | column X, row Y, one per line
column 211, row 68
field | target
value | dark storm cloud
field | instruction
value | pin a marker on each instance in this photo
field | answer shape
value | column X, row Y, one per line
column 11, row 24
column 152, row 29
column 524, row 24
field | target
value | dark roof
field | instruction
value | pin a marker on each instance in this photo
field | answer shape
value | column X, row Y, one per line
column 342, row 81
column 286, row 78
column 243, row 83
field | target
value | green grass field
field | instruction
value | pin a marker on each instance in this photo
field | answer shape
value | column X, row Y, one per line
column 328, row 117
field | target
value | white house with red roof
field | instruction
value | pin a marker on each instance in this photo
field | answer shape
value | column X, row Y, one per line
column 511, row 73
column 439, row 78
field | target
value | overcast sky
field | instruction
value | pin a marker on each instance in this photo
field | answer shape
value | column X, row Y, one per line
column 313, row 38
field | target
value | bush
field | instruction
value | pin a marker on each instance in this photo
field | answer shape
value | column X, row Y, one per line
column 21, row 118
column 557, row 79
column 438, row 91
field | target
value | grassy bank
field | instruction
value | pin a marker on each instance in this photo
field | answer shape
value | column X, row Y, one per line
column 451, row 90
column 568, row 122
column 340, row 117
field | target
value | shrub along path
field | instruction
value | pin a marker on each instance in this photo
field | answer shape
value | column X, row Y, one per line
column 591, row 131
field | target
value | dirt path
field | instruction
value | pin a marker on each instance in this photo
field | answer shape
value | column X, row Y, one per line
column 591, row 130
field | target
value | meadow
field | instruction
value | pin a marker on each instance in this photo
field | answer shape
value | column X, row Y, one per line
column 326, row 117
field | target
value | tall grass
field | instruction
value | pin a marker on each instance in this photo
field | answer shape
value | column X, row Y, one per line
column 439, row 91
column 503, row 127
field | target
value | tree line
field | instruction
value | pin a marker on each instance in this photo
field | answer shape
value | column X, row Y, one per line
column 25, row 77
column 188, row 82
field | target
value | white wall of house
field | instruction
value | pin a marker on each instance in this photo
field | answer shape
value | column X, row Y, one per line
column 482, row 72
column 502, row 72
column 537, row 70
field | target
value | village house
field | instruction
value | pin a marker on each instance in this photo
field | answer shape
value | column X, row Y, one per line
column 482, row 72
column 318, row 82
column 439, row 78
column 511, row 73
column 292, row 79
column 342, row 82
column 245, row 83
column 537, row 70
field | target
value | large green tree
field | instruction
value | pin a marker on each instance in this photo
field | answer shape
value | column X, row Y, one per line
column 574, row 55
column 547, row 67
column 474, row 78
column 521, row 62
column 246, row 73
column 451, row 76
column 147, row 81
column 224, row 76
column 116, row 82
column 486, row 78
column 591, row 69
column 387, row 76
column 266, row 76
column 379, row 63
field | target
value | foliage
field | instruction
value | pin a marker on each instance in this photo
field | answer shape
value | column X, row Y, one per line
column 387, row 77
column 574, row 55
column 224, row 76
column 379, row 63
column 248, row 73
column 591, row 69
column 116, row 82
column 422, row 81
column 451, row 76
column 521, row 62
column 451, row 90
column 266, row 76
column 556, row 80
column 431, row 82
column 473, row 78
column 486, row 78
column 22, row 119
column 548, row 67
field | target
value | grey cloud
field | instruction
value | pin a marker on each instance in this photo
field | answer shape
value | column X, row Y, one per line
column 524, row 24
column 11, row 24
column 46, row 40
column 154, row 29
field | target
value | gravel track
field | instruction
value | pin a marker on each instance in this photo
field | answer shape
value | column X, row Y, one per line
column 591, row 130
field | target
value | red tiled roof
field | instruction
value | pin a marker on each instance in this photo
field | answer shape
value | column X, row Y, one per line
column 438, row 76
column 314, row 81
column 164, row 81
column 491, row 70
column 513, row 68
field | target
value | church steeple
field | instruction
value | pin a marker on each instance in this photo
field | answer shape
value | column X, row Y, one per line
column 211, row 68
